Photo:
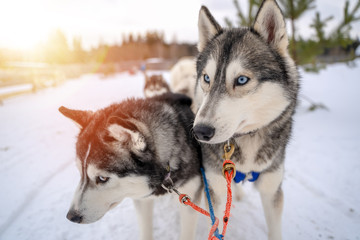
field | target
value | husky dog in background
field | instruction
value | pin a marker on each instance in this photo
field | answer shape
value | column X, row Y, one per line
column 155, row 85
column 129, row 150
column 183, row 76
column 246, row 92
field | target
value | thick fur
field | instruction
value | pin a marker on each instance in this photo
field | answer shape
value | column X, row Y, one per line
column 183, row 76
column 127, row 150
column 255, row 116
column 155, row 85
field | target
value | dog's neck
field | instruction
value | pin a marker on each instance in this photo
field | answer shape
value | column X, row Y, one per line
column 264, row 148
column 276, row 125
column 174, row 163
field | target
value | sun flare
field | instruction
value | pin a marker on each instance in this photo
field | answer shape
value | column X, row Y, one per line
column 23, row 24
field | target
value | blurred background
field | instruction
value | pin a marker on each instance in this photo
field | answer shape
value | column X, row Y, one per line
column 46, row 41
column 87, row 54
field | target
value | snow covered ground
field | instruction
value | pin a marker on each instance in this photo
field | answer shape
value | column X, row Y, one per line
column 16, row 88
column 37, row 150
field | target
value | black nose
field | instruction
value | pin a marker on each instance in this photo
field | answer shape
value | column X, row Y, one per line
column 204, row 132
column 74, row 216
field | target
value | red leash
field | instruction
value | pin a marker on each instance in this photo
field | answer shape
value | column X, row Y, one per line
column 229, row 172
column 229, row 178
column 229, row 175
column 183, row 198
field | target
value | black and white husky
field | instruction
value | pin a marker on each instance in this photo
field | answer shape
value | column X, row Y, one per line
column 129, row 150
column 246, row 92
column 155, row 85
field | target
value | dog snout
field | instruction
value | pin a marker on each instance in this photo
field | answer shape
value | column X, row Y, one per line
column 74, row 216
column 204, row 132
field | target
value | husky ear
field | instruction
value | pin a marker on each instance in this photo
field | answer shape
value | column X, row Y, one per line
column 122, row 122
column 208, row 27
column 123, row 130
column 80, row 117
column 270, row 24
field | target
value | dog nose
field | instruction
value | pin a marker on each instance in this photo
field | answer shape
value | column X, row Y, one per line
column 74, row 216
column 204, row 132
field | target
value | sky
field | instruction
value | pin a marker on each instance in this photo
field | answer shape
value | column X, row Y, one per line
column 25, row 24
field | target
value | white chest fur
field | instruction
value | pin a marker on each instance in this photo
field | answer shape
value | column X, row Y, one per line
column 250, row 147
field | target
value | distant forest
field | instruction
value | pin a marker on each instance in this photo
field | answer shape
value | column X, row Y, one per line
column 313, row 53
column 57, row 50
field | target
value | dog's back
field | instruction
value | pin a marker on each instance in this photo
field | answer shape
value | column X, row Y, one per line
column 183, row 77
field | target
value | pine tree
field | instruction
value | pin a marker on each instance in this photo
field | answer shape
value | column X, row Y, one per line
column 319, row 26
column 305, row 51
column 243, row 20
column 131, row 38
column 339, row 40
column 57, row 49
column 341, row 35
column 78, row 51
column 293, row 10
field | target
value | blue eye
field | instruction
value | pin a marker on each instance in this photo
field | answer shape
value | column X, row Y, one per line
column 242, row 80
column 206, row 78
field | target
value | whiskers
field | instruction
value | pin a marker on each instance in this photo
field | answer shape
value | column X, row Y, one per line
column 192, row 129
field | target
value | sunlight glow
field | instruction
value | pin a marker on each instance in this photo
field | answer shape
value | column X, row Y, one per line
column 23, row 24
column 26, row 23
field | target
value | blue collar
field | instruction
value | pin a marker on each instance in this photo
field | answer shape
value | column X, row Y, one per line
column 242, row 176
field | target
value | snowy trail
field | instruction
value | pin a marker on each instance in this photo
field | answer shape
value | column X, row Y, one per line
column 321, row 186
column 31, row 196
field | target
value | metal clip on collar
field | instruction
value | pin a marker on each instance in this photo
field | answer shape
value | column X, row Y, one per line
column 228, row 151
column 182, row 197
column 228, row 165
column 168, row 183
